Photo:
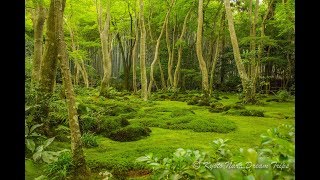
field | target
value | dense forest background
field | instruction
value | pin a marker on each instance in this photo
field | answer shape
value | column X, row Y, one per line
column 273, row 34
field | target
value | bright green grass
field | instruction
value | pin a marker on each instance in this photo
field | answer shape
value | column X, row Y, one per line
column 163, row 142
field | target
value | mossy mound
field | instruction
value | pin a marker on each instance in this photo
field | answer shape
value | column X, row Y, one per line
column 130, row 133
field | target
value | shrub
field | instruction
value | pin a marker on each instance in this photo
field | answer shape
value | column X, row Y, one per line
column 283, row 95
column 89, row 140
column 193, row 101
column 130, row 133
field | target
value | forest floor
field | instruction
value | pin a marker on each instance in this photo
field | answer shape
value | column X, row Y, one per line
column 166, row 118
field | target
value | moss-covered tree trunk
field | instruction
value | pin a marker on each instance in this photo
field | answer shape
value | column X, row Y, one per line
column 177, row 70
column 202, row 63
column 38, row 25
column 47, row 71
column 143, row 71
column 81, row 171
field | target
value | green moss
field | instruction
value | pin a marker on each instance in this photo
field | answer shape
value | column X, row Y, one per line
column 175, row 130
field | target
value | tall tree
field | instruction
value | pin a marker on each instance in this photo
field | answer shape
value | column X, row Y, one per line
column 246, row 83
column 80, row 169
column 202, row 63
column 134, row 53
column 143, row 71
column 48, row 70
column 156, row 53
column 105, row 37
column 38, row 25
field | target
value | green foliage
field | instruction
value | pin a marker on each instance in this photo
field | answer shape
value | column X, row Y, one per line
column 130, row 133
column 283, row 95
column 221, row 150
column 31, row 136
column 89, row 140
column 41, row 154
column 180, row 165
column 60, row 168
column 275, row 155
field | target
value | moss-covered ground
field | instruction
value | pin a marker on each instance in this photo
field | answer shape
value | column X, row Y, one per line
column 174, row 124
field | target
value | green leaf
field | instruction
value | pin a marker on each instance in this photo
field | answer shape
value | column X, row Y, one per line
column 34, row 127
column 30, row 144
column 37, row 155
column 48, row 142
column 252, row 155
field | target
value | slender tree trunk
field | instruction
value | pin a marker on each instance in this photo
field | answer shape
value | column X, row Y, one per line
column 144, row 81
column 177, row 70
column 106, row 49
column 80, row 169
column 170, row 78
column 39, row 20
column 254, row 63
column 156, row 53
column 236, row 52
column 202, row 63
column 134, row 56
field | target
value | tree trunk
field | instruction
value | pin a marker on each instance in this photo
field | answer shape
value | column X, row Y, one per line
column 170, row 78
column 47, row 70
column 144, row 81
column 156, row 53
column 80, row 169
column 106, row 50
column 236, row 52
column 254, row 63
column 202, row 63
column 134, row 56
column 38, row 25
column 177, row 70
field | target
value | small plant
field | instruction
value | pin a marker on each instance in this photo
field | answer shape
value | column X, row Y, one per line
column 42, row 154
column 30, row 136
column 283, row 96
column 60, row 168
column 89, row 140
column 221, row 149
